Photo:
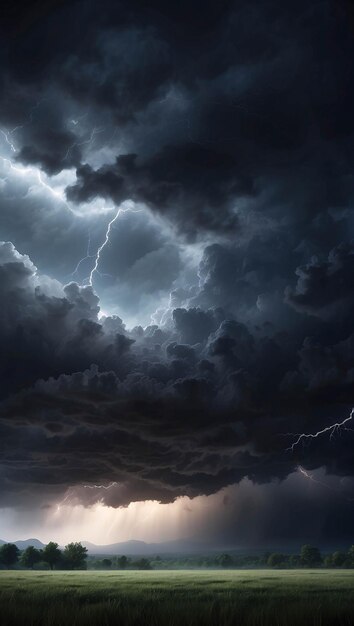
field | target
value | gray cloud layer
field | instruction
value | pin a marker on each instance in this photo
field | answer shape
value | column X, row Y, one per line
column 231, row 126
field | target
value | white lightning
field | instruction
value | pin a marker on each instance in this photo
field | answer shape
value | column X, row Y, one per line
column 70, row 495
column 34, row 171
column 311, row 477
column 105, row 242
column 95, row 131
column 332, row 430
column 60, row 195
column 84, row 258
column 106, row 487
column 23, row 171
column 8, row 141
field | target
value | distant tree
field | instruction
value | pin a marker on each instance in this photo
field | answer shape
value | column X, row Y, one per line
column 351, row 556
column 9, row 554
column 142, row 564
column 276, row 559
column 75, row 555
column 328, row 560
column 122, row 562
column 51, row 554
column 30, row 557
column 225, row 560
column 339, row 559
column 106, row 563
column 310, row 556
column 294, row 560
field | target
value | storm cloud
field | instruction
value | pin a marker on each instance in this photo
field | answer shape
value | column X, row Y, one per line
column 172, row 349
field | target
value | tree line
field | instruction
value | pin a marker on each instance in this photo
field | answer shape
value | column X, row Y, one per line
column 74, row 556
column 308, row 557
column 311, row 557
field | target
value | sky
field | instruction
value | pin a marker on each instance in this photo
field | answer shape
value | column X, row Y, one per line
column 177, row 271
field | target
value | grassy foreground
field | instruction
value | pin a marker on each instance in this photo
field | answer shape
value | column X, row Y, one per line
column 176, row 598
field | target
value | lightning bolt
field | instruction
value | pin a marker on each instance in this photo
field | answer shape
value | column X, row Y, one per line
column 70, row 494
column 311, row 477
column 84, row 258
column 106, row 241
column 106, row 487
column 35, row 171
column 59, row 195
column 332, row 430
column 6, row 136
column 95, row 131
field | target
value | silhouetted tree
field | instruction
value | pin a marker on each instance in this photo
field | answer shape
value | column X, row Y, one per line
column 51, row 554
column 142, row 564
column 351, row 556
column 107, row 563
column 224, row 560
column 328, row 560
column 310, row 556
column 31, row 556
column 276, row 559
column 122, row 562
column 294, row 560
column 339, row 559
column 9, row 554
column 75, row 555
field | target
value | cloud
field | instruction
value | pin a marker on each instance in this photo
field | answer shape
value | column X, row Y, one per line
column 86, row 401
column 324, row 288
column 231, row 128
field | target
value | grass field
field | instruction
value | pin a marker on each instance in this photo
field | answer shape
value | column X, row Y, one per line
column 176, row 598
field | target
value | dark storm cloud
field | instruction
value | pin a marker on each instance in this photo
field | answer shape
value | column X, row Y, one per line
column 190, row 184
column 325, row 288
column 256, row 95
column 233, row 124
column 159, row 417
column 54, row 152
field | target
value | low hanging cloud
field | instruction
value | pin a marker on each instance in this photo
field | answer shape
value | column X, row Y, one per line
column 184, row 410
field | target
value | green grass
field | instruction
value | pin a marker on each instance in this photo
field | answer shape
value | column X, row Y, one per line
column 177, row 598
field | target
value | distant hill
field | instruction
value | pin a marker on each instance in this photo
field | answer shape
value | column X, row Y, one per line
column 22, row 544
column 141, row 548
column 181, row 547
column 129, row 548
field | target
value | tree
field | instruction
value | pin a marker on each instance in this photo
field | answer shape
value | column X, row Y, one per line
column 310, row 556
column 225, row 560
column 328, row 560
column 106, row 563
column 75, row 555
column 143, row 564
column 9, row 554
column 30, row 557
column 294, row 560
column 339, row 559
column 351, row 556
column 122, row 562
column 51, row 554
column 276, row 559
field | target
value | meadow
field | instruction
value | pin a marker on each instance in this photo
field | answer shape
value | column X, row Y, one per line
column 176, row 598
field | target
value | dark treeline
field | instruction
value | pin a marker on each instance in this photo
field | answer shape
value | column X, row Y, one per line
column 51, row 557
column 74, row 556
column 308, row 557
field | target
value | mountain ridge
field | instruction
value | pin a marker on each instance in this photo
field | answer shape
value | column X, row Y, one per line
column 132, row 547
